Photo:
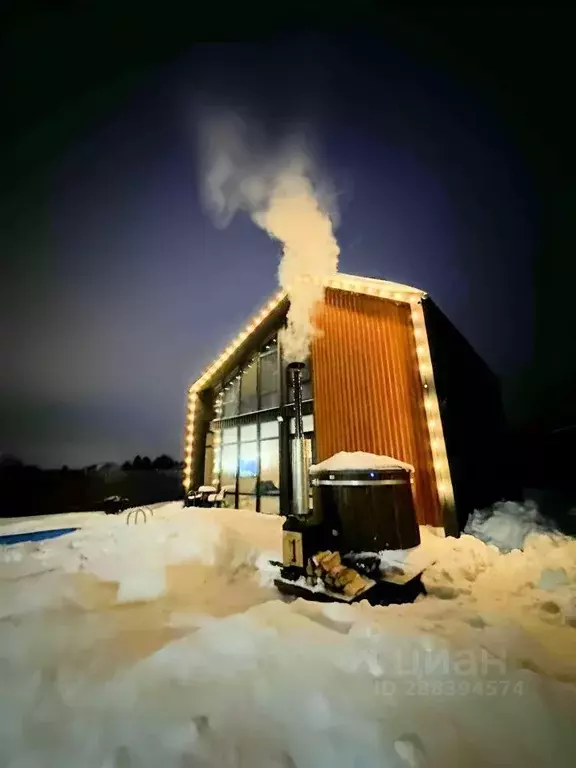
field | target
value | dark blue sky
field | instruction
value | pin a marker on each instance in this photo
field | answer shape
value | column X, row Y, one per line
column 121, row 289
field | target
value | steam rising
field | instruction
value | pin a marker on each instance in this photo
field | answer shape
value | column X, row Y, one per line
column 283, row 199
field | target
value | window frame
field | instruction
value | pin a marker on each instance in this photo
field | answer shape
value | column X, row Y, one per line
column 282, row 410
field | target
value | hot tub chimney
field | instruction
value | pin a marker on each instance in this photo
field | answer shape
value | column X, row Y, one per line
column 300, row 500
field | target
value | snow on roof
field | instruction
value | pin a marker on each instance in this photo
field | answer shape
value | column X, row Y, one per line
column 358, row 460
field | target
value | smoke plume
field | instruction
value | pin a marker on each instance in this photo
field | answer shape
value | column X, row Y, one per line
column 283, row 197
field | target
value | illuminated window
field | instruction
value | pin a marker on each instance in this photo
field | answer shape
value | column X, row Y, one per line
column 307, row 424
column 249, row 388
column 230, row 435
column 248, row 468
column 230, row 399
column 270, row 467
column 248, row 432
column 269, row 429
column 246, row 458
column 269, row 380
column 229, row 465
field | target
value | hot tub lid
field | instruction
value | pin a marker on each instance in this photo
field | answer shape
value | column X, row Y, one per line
column 359, row 462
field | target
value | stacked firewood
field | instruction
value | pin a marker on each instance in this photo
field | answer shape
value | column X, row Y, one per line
column 328, row 567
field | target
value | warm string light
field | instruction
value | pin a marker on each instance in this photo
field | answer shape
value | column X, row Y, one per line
column 437, row 442
column 370, row 287
column 231, row 348
column 216, row 455
column 189, row 439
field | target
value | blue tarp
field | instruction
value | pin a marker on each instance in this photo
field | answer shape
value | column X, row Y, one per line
column 18, row 538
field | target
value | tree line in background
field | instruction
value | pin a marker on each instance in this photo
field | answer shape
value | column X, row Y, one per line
column 29, row 490
column 144, row 463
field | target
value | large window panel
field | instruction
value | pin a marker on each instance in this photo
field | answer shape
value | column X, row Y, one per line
column 229, row 465
column 269, row 381
column 249, row 388
column 270, row 467
column 248, row 433
column 269, row 429
column 230, row 435
column 271, row 400
column 248, row 474
column 230, row 399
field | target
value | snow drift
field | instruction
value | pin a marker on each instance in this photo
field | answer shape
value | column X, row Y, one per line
column 166, row 644
column 507, row 524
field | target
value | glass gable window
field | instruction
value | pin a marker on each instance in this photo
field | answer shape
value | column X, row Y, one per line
column 230, row 398
column 269, row 379
column 255, row 388
column 247, row 408
column 249, row 388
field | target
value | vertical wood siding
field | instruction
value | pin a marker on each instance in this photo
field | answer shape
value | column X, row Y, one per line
column 367, row 389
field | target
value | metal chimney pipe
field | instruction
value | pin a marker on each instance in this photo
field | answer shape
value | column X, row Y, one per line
column 300, row 501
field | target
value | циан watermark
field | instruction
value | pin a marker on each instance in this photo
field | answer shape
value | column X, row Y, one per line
column 416, row 672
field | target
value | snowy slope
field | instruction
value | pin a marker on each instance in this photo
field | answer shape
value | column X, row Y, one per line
column 166, row 644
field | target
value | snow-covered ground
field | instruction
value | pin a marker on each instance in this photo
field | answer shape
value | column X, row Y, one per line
column 166, row 644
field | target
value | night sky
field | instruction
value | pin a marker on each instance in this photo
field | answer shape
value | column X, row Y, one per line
column 448, row 139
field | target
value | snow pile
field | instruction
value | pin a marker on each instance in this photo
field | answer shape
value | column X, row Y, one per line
column 506, row 524
column 166, row 644
column 358, row 460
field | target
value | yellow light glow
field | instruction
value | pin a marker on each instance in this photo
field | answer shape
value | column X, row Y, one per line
column 435, row 431
column 444, row 488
